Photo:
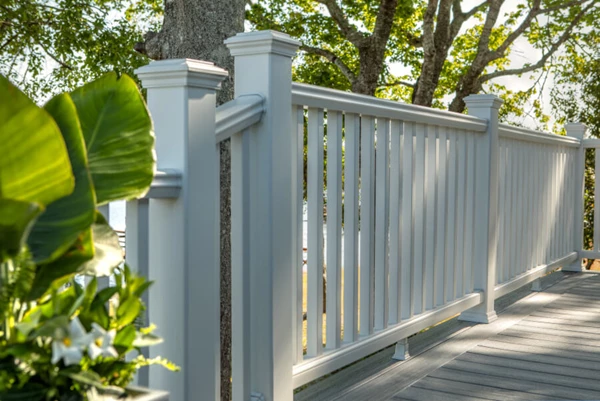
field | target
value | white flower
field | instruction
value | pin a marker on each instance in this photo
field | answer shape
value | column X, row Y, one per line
column 70, row 347
column 102, row 344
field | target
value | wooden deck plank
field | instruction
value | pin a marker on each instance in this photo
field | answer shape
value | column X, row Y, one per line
column 504, row 360
column 590, row 308
column 474, row 390
column 559, row 315
column 515, row 332
column 558, row 320
column 558, row 332
column 510, row 348
column 567, row 346
column 421, row 394
column 550, row 390
column 540, row 358
column 585, row 292
column 577, row 304
column 579, row 300
column 562, row 327
column 575, row 312
column 575, row 297
column 526, row 375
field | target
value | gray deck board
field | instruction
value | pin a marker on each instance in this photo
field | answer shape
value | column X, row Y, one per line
column 510, row 348
column 474, row 390
column 422, row 394
column 567, row 363
column 549, row 337
column 526, row 375
column 537, row 317
column 565, row 327
column 544, row 347
column 548, row 390
column 508, row 362
column 565, row 346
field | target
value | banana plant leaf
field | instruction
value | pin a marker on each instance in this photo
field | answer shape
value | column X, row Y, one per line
column 65, row 219
column 34, row 167
column 118, row 135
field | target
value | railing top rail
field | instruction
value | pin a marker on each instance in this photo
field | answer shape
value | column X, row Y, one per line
column 237, row 115
column 591, row 143
column 332, row 99
column 529, row 135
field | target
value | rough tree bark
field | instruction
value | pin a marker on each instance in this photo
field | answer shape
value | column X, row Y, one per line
column 196, row 29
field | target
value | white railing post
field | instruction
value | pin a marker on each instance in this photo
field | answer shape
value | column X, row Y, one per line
column 263, row 66
column 486, row 207
column 136, row 253
column 577, row 130
column 184, row 232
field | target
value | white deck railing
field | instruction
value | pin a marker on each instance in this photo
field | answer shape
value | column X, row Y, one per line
column 413, row 199
column 428, row 214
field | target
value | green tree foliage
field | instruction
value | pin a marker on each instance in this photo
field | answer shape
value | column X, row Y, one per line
column 50, row 46
column 448, row 52
column 576, row 97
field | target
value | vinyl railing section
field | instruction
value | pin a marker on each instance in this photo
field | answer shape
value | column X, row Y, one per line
column 536, row 204
column 355, row 221
column 591, row 148
column 406, row 191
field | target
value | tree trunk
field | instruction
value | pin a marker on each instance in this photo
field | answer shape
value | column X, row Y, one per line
column 196, row 29
column 371, row 64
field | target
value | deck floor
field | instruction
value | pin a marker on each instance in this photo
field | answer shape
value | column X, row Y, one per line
column 545, row 346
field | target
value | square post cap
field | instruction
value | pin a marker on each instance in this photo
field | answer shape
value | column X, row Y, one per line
column 576, row 130
column 181, row 72
column 483, row 101
column 262, row 42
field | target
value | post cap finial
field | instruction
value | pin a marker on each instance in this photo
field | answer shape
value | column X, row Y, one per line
column 483, row 101
column 261, row 42
column 576, row 130
column 181, row 72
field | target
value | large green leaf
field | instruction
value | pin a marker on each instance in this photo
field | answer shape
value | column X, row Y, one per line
column 62, row 222
column 34, row 167
column 66, row 265
column 118, row 135
column 16, row 218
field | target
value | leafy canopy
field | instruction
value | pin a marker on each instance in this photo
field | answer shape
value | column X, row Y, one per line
column 49, row 46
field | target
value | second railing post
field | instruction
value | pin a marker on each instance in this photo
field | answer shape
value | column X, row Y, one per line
column 486, row 207
column 262, row 350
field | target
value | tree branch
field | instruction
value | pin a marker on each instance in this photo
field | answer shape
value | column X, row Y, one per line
column 490, row 20
column 348, row 30
column 385, row 20
column 55, row 58
column 333, row 58
column 540, row 63
column 8, row 41
column 561, row 6
column 533, row 12
column 460, row 17
column 396, row 83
